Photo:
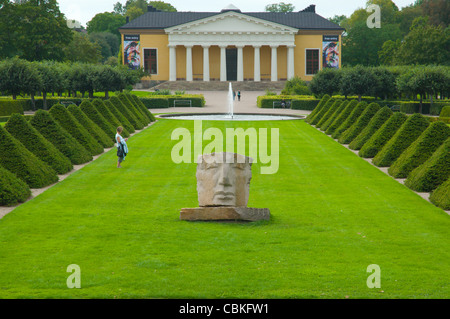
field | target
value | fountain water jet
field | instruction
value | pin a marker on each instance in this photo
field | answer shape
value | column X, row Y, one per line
column 230, row 102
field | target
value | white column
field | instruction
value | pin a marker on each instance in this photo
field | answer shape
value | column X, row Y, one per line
column 189, row 76
column 172, row 62
column 290, row 62
column 257, row 68
column 274, row 64
column 223, row 64
column 240, row 63
column 206, row 63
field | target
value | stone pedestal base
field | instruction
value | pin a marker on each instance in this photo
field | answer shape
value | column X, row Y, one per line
column 224, row 213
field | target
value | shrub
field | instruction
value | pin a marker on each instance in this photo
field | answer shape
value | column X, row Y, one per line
column 352, row 132
column 375, row 123
column 341, row 117
column 319, row 106
column 403, row 138
column 8, row 107
column 98, row 119
column 445, row 112
column 44, row 123
column 326, row 81
column 71, row 125
column 22, row 130
column 122, row 97
column 354, row 115
column 419, row 151
column 119, row 116
column 126, row 112
column 383, row 135
column 436, row 170
column 333, row 116
column 100, row 136
column 17, row 159
column 322, row 111
column 441, row 196
column 12, row 189
column 101, row 108
column 155, row 102
column 331, row 110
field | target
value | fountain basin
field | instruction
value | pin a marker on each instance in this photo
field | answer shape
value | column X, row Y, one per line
column 234, row 117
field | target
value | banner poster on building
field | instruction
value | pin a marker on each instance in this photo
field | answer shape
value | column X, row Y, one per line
column 131, row 53
column 330, row 51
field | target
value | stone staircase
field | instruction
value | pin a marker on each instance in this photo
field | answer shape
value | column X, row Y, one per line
column 220, row 86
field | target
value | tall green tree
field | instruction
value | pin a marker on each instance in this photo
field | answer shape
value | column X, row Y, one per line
column 106, row 22
column 280, row 7
column 80, row 49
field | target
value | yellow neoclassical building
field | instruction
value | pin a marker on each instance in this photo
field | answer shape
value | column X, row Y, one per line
column 231, row 45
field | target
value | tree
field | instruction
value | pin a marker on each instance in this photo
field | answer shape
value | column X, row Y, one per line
column 109, row 43
column 425, row 44
column 438, row 11
column 358, row 80
column 388, row 51
column 106, row 22
column 161, row 5
column 40, row 30
column 50, row 78
column 80, row 49
column 326, row 81
column 280, row 7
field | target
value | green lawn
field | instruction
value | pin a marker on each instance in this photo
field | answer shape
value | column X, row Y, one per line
column 333, row 215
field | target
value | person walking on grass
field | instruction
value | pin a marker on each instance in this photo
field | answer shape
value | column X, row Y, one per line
column 122, row 148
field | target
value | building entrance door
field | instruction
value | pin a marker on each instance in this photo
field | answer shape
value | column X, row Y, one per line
column 231, row 64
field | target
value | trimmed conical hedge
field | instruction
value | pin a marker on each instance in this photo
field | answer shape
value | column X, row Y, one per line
column 17, row 159
column 132, row 109
column 375, row 123
column 419, row 151
column 127, row 113
column 122, row 119
column 44, row 123
column 382, row 135
column 329, row 113
column 435, row 171
column 144, row 116
column 22, row 130
column 106, row 113
column 333, row 116
column 71, row 125
column 352, row 118
column 352, row 132
column 100, row 135
column 143, row 108
column 316, row 110
column 404, row 137
column 322, row 112
column 13, row 190
column 341, row 117
column 441, row 196
column 98, row 119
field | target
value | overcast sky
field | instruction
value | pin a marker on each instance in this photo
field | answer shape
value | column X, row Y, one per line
column 84, row 10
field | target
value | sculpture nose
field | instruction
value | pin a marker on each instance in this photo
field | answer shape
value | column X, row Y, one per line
column 223, row 177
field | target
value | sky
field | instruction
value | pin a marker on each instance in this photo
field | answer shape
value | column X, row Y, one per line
column 84, row 10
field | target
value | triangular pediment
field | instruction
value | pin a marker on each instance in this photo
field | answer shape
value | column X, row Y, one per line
column 231, row 22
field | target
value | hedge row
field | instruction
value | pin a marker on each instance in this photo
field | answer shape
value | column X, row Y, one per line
column 8, row 107
column 12, row 189
column 445, row 112
column 166, row 101
column 341, row 117
column 319, row 106
column 419, row 151
column 24, row 132
column 441, row 196
column 431, row 174
column 410, row 146
column 355, row 129
column 375, row 123
column 354, row 115
column 383, row 135
column 15, row 157
column 33, row 152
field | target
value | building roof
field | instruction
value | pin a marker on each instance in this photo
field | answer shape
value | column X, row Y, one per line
column 299, row 20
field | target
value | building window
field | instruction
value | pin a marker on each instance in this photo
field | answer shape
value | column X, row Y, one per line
column 151, row 61
column 312, row 61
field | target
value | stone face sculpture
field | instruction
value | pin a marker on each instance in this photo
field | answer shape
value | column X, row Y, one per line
column 223, row 187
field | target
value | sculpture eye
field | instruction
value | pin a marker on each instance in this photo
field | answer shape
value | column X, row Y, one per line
column 211, row 166
column 239, row 166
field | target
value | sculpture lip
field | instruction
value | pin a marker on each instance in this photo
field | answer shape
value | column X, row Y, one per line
column 223, row 193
